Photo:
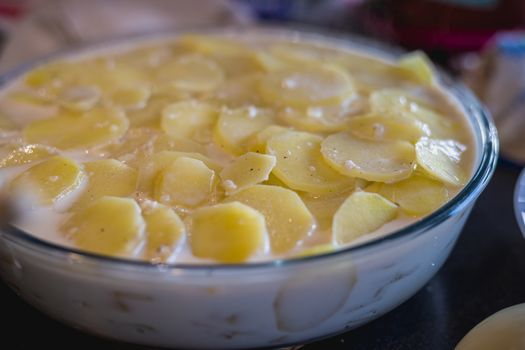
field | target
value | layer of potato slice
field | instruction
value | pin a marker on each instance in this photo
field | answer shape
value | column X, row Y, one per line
column 107, row 177
column 323, row 208
column 189, row 119
column 186, row 181
column 164, row 233
column 306, row 85
column 287, row 218
column 110, row 226
column 418, row 66
column 441, row 159
column 258, row 142
column 361, row 213
column 385, row 161
column 228, row 232
column 131, row 98
column 380, row 127
column 416, row 195
column 79, row 98
column 239, row 92
column 300, row 164
column 78, row 131
column 247, row 170
column 150, row 116
column 50, row 181
column 235, row 127
column 26, row 154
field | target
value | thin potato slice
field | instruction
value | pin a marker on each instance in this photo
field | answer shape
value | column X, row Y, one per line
column 187, row 182
column 228, row 232
column 235, row 127
column 107, row 177
column 239, row 92
column 300, row 164
column 131, row 98
column 323, row 208
column 258, row 143
column 302, row 53
column 189, row 119
column 379, row 128
column 26, row 154
column 110, row 226
column 70, row 131
column 247, row 170
column 416, row 195
column 361, row 213
column 386, row 161
column 441, row 159
column 150, row 116
column 419, row 66
column 50, row 181
column 164, row 233
column 302, row 86
column 288, row 220
column 79, row 98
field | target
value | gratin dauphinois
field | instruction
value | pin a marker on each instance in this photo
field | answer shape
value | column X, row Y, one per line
column 208, row 148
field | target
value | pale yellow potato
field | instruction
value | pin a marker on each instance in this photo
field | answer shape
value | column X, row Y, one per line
column 26, row 154
column 441, row 160
column 306, row 85
column 228, row 233
column 361, row 213
column 79, row 98
column 151, row 167
column 258, row 142
column 107, row 177
column 247, row 170
column 239, row 92
column 288, row 220
column 380, row 127
column 110, row 226
column 294, row 53
column 97, row 127
column 150, row 116
column 385, row 161
column 186, row 181
column 50, row 181
column 131, row 98
column 235, row 127
column 193, row 73
column 418, row 65
column 323, row 208
column 416, row 195
column 189, row 119
column 164, row 233
column 301, row 166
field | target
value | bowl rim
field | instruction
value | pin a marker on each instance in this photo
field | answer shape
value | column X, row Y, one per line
column 480, row 120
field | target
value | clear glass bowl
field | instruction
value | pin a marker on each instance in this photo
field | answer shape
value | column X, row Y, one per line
column 270, row 304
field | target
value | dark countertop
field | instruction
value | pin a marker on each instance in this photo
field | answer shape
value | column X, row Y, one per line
column 483, row 275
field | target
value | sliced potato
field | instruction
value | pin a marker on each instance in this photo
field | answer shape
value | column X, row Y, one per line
column 302, row 53
column 164, row 233
column 287, row 218
column 186, row 181
column 150, row 116
column 361, row 213
column 131, row 98
column 418, row 65
column 302, row 86
column 323, row 208
column 247, row 170
column 300, row 164
column 386, row 161
column 441, row 160
column 109, row 226
column 79, row 98
column 50, row 181
column 235, row 127
column 107, row 177
column 390, row 128
column 239, row 92
column 26, row 154
column 258, row 143
column 228, row 232
column 68, row 131
column 189, row 119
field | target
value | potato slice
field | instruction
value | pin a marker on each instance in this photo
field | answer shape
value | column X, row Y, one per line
column 390, row 128
column 324, row 208
column 386, row 161
column 303, row 53
column 302, row 86
column 150, row 116
column 131, row 98
column 189, row 119
column 107, row 177
column 239, row 92
column 164, row 233
column 418, row 65
column 361, row 213
column 287, row 218
column 193, row 73
column 258, row 143
column 441, row 159
column 110, row 226
column 300, row 164
column 416, row 195
column 26, row 154
column 228, row 232
column 235, row 127
column 50, row 181
column 187, row 182
column 79, row 98
column 71, row 131
column 247, row 170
